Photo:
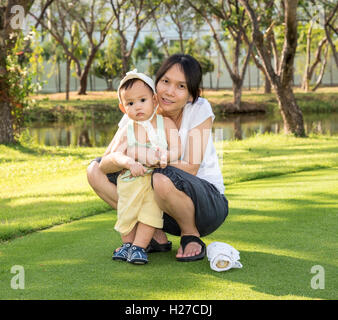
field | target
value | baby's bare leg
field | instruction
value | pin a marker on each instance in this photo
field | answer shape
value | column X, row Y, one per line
column 130, row 236
column 144, row 233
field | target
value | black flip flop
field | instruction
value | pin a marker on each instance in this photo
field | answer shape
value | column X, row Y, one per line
column 154, row 246
column 185, row 240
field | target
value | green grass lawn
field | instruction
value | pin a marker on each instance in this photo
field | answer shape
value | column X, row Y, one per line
column 282, row 193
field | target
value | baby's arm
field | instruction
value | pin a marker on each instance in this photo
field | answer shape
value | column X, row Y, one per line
column 174, row 142
column 118, row 155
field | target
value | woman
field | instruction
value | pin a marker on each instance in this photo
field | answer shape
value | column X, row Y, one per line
column 190, row 192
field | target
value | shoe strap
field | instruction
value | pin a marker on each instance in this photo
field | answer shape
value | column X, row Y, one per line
column 137, row 248
column 185, row 240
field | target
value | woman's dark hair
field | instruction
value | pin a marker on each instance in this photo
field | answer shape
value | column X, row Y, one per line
column 191, row 69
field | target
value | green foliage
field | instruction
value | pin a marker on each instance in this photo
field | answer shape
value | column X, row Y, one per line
column 149, row 50
column 199, row 50
column 109, row 60
column 21, row 65
column 316, row 35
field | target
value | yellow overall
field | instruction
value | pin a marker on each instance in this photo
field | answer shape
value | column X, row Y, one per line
column 136, row 197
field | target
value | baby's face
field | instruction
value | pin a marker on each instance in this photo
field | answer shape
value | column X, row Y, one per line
column 138, row 101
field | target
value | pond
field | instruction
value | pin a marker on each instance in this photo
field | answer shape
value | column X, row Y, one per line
column 94, row 134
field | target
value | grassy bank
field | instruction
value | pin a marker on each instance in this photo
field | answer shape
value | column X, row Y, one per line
column 282, row 225
column 45, row 186
column 103, row 106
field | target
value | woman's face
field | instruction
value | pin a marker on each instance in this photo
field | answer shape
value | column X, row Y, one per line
column 172, row 91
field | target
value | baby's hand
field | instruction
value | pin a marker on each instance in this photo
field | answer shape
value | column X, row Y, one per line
column 137, row 169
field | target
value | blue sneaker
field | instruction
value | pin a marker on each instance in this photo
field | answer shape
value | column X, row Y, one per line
column 137, row 255
column 122, row 253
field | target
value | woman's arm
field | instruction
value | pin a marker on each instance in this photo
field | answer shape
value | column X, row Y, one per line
column 118, row 158
column 114, row 158
column 196, row 145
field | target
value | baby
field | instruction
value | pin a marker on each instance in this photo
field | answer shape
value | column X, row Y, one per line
column 154, row 139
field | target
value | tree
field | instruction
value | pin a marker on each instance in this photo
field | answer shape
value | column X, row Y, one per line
column 199, row 51
column 164, row 42
column 93, row 23
column 311, row 43
column 267, row 21
column 281, row 77
column 148, row 49
column 12, row 14
column 331, row 30
column 181, row 16
column 131, row 14
column 234, row 24
column 109, row 61
column 312, row 37
column 53, row 52
column 207, row 48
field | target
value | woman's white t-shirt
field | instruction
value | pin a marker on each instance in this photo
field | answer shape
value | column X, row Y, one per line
column 194, row 115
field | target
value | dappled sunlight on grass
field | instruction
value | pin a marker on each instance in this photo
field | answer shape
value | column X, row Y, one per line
column 254, row 218
column 273, row 155
column 282, row 225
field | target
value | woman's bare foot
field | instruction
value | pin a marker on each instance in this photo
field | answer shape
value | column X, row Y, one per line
column 192, row 249
column 160, row 236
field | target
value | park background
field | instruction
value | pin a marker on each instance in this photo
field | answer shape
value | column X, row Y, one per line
column 62, row 69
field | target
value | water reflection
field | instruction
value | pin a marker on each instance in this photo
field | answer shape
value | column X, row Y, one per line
column 244, row 126
column 239, row 127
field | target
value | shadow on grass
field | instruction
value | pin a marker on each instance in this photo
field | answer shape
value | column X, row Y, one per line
column 280, row 237
column 280, row 275
column 74, row 262
column 44, row 211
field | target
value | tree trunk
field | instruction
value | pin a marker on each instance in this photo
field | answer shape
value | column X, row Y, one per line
column 267, row 85
column 210, row 75
column 218, row 71
column 91, row 81
column 291, row 113
column 181, row 40
column 322, row 70
column 328, row 36
column 83, row 83
column 306, row 80
column 237, row 90
column 67, row 78
column 109, row 83
column 85, row 72
column 6, row 127
column 59, row 75
column 6, row 45
column 249, row 76
column 282, row 78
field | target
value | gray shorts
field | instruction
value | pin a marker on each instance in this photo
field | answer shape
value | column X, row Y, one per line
column 211, row 207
